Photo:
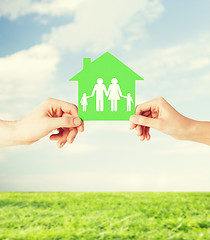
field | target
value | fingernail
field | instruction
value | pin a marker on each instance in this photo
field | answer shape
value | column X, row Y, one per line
column 133, row 118
column 77, row 121
column 61, row 145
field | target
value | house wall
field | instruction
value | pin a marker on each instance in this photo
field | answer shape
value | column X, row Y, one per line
column 88, row 79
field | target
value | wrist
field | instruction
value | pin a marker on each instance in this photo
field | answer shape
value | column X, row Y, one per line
column 190, row 130
column 200, row 132
column 9, row 136
column 183, row 129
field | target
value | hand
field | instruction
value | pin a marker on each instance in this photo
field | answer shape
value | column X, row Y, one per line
column 52, row 114
column 159, row 114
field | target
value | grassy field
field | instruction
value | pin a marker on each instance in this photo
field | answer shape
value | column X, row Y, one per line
column 104, row 216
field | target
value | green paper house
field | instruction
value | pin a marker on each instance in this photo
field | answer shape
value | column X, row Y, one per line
column 106, row 89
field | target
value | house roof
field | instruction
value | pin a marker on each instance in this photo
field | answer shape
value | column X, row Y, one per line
column 106, row 60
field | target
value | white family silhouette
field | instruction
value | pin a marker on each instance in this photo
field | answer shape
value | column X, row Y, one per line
column 114, row 93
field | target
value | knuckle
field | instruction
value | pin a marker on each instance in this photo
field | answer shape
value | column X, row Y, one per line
column 136, row 109
column 75, row 106
column 75, row 130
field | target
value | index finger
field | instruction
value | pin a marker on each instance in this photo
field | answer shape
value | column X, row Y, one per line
column 146, row 106
column 65, row 106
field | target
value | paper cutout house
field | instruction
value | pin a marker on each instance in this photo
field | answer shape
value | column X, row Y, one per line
column 97, row 87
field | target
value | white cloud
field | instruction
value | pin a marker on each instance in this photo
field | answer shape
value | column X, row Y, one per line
column 54, row 7
column 102, row 25
column 13, row 8
column 203, row 88
column 187, row 57
column 1, row 158
column 78, row 149
column 5, row 115
column 185, row 65
column 102, row 126
column 16, row 8
column 186, row 149
column 97, row 26
column 106, row 181
column 27, row 72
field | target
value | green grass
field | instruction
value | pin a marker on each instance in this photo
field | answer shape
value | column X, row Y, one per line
column 104, row 216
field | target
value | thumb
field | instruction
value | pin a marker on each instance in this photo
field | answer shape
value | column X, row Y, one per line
column 145, row 121
column 65, row 122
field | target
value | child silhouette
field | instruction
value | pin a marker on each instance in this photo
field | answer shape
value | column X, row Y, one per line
column 129, row 101
column 84, row 102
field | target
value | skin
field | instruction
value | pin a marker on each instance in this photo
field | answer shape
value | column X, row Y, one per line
column 50, row 115
column 54, row 114
column 159, row 114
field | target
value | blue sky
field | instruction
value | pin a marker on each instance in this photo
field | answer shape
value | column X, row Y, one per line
column 42, row 44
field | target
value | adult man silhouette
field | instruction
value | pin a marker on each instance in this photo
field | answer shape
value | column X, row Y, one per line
column 99, row 89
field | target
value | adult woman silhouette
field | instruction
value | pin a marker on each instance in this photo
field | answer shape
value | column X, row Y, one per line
column 114, row 94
